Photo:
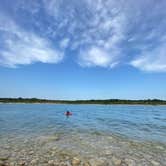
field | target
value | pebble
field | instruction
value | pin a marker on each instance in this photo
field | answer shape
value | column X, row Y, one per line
column 2, row 163
column 155, row 163
column 34, row 161
column 12, row 164
column 64, row 164
column 22, row 163
column 98, row 162
column 108, row 152
column 130, row 162
column 7, row 147
column 75, row 161
column 31, row 152
column 53, row 138
column 116, row 161
column 51, row 162
column 160, row 147
column 86, row 164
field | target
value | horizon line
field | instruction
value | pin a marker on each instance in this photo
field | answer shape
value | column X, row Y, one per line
column 81, row 99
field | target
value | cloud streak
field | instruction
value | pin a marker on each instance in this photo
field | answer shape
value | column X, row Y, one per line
column 152, row 61
column 96, row 56
column 122, row 32
column 19, row 47
column 102, row 33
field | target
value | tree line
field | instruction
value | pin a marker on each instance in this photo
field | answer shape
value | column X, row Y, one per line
column 108, row 101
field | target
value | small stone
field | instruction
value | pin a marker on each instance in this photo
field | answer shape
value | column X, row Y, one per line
column 160, row 147
column 2, row 163
column 12, row 164
column 54, row 138
column 86, row 164
column 22, row 163
column 34, row 161
column 31, row 152
column 67, row 157
column 64, row 164
column 155, row 163
column 98, row 162
column 51, row 162
column 76, row 161
column 68, row 163
column 7, row 147
column 130, row 162
column 116, row 161
column 108, row 152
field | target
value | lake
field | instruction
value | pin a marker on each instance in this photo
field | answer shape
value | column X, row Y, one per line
column 40, row 134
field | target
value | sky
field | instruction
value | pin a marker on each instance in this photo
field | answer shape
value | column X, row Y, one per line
column 86, row 49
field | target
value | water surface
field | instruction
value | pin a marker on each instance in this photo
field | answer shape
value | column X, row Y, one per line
column 92, row 130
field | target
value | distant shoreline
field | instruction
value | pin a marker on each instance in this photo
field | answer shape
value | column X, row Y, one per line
column 100, row 102
column 85, row 104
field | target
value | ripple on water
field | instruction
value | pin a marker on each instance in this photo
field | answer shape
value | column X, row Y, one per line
column 112, row 133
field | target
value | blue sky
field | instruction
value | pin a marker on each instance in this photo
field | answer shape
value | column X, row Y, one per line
column 85, row 49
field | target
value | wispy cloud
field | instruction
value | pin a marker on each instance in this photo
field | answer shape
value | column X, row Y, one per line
column 102, row 33
column 96, row 56
column 152, row 61
column 64, row 43
column 114, row 32
column 19, row 47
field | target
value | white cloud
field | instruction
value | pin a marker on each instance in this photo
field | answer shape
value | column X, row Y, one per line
column 103, row 33
column 152, row 61
column 104, row 37
column 96, row 56
column 64, row 43
column 22, row 48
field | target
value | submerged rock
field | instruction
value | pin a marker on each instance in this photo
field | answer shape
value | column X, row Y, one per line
column 12, row 164
column 22, row 163
column 2, row 163
column 130, row 162
column 155, row 163
column 51, row 162
column 98, row 162
column 31, row 152
column 34, row 161
column 86, row 164
column 116, row 161
column 64, row 164
column 54, row 138
column 75, row 161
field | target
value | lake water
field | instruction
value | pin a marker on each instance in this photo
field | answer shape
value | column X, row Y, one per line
column 132, row 134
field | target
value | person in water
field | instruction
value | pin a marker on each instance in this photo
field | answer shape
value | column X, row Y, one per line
column 68, row 113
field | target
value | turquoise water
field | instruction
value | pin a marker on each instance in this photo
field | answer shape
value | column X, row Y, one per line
column 134, row 122
column 104, row 135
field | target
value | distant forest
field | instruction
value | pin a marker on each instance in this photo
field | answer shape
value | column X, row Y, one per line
column 108, row 101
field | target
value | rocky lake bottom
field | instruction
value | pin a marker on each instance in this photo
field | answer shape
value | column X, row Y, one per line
column 41, row 135
column 80, row 150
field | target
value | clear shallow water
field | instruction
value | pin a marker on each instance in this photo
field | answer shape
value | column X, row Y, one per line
column 105, row 134
column 138, row 122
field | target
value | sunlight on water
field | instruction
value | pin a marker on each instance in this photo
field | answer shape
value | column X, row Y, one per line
column 92, row 131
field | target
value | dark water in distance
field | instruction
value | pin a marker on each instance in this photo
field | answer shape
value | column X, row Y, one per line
column 139, row 122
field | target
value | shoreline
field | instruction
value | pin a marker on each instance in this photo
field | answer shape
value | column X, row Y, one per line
column 85, row 101
column 129, row 104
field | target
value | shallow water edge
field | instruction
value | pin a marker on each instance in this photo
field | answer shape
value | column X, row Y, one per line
column 80, row 149
column 96, row 135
